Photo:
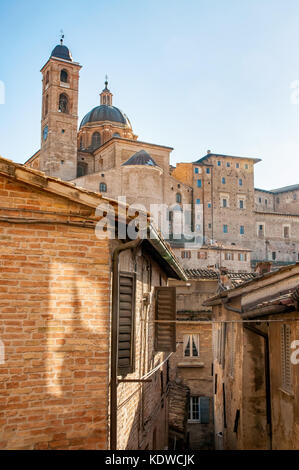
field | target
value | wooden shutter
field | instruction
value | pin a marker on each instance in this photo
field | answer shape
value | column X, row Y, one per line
column 204, row 410
column 165, row 310
column 126, row 323
column 286, row 371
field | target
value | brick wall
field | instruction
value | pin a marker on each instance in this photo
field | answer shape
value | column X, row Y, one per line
column 143, row 407
column 54, row 297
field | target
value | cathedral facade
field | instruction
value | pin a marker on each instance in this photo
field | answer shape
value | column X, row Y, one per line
column 241, row 225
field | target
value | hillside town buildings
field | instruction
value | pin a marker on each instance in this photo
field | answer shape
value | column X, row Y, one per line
column 256, row 363
column 107, row 157
column 112, row 343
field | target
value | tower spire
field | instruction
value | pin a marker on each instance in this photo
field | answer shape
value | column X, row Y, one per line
column 106, row 95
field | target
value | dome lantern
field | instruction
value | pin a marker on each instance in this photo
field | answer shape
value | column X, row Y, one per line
column 106, row 95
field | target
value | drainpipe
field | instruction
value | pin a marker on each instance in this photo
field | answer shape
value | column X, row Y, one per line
column 114, row 339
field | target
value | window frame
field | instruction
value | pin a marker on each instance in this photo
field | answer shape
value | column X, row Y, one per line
column 104, row 185
column 191, row 337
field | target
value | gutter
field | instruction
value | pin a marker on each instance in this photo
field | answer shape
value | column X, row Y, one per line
column 160, row 246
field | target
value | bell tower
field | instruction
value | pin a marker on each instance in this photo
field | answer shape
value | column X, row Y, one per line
column 59, row 122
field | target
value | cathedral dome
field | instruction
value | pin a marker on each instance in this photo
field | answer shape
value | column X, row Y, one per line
column 105, row 112
column 62, row 52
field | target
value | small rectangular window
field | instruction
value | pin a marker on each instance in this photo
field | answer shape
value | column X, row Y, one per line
column 223, row 180
column 229, row 256
column 186, row 254
column 219, row 163
column 224, row 202
column 209, row 205
column 237, row 165
column 242, row 230
column 208, row 170
column 240, row 182
column 199, row 183
column 241, row 204
column 199, row 410
column 286, row 232
column 261, row 231
column 197, row 201
column 202, row 255
column 194, row 411
column 225, row 229
column 191, row 346
column 228, row 165
column 273, row 255
column 196, row 171
column 260, row 200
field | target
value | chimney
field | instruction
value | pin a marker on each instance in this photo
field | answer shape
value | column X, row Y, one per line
column 263, row 267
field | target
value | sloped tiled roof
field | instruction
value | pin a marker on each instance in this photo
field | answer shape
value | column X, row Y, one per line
column 235, row 278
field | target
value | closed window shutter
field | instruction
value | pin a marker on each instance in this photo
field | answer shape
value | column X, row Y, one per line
column 126, row 323
column 165, row 333
column 204, row 410
column 286, row 371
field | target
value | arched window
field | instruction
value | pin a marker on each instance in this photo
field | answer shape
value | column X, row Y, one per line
column 178, row 198
column 81, row 169
column 116, row 134
column 81, row 143
column 64, row 76
column 103, row 187
column 96, row 140
column 63, row 104
column 46, row 105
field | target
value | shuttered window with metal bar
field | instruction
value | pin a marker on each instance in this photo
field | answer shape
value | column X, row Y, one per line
column 286, row 368
column 126, row 323
column 165, row 308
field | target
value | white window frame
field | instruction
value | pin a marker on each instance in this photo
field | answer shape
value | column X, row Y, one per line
column 191, row 409
column 197, row 401
column 191, row 337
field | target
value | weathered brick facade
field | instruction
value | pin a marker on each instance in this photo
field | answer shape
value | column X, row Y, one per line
column 55, row 323
column 55, row 289
column 255, row 377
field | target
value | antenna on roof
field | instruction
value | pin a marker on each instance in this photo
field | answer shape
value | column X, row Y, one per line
column 61, row 36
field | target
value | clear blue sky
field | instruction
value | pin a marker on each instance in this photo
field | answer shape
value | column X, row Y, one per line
column 193, row 74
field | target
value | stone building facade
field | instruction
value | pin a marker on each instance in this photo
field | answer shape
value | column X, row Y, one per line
column 192, row 363
column 256, row 363
column 106, row 156
column 59, row 302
